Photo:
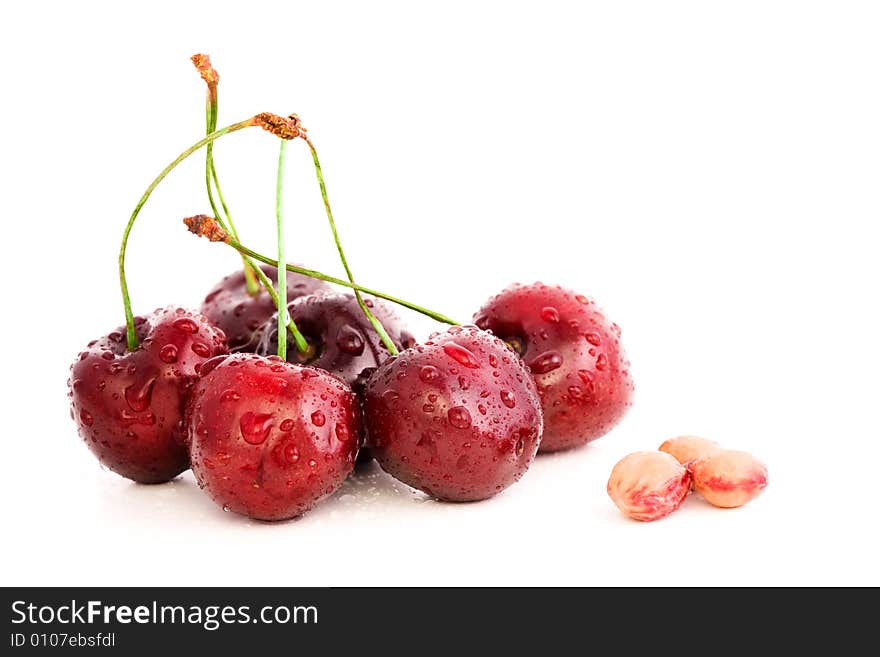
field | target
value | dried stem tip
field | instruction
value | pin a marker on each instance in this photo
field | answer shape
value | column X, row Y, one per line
column 285, row 128
column 203, row 65
column 205, row 226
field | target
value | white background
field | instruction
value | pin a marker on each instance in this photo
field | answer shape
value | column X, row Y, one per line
column 707, row 171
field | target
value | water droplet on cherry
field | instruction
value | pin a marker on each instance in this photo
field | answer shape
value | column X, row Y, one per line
column 461, row 355
column 186, row 325
column 459, row 417
column 255, row 427
column 229, row 396
column 429, row 373
column 138, row 394
column 507, row 398
column 168, row 353
column 546, row 362
column 350, row 340
column 201, row 349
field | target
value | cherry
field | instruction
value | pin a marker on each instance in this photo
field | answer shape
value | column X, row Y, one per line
column 457, row 417
column 575, row 356
column 341, row 339
column 269, row 439
column 239, row 314
column 129, row 405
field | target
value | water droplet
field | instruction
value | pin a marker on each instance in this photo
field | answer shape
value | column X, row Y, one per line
column 616, row 329
column 576, row 393
column 342, row 432
column 601, row 362
column 493, row 360
column 255, row 427
column 428, row 408
column 108, row 355
column 546, row 362
column 115, row 336
column 138, row 394
column 459, row 417
column 350, row 340
column 587, row 378
column 313, row 463
column 520, row 446
column 550, row 314
column 481, row 408
column 390, row 397
column 593, row 338
column 582, row 299
column 168, row 353
column 201, row 349
column 186, row 325
column 507, row 398
column 318, row 419
column 128, row 418
column 461, row 355
column 463, row 383
column 286, row 425
column 230, row 396
column 86, row 418
column 429, row 373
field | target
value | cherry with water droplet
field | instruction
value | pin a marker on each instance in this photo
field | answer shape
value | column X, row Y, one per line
column 271, row 451
column 145, row 388
column 575, row 357
column 233, row 309
column 340, row 337
column 436, row 430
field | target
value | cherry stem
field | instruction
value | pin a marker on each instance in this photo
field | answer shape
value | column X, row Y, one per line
column 212, row 80
column 253, row 275
column 282, row 280
column 311, row 273
column 131, row 334
column 377, row 325
column 285, row 321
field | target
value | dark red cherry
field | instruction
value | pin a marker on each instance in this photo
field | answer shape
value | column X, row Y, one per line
column 129, row 406
column 574, row 353
column 268, row 439
column 457, row 417
column 239, row 314
column 341, row 338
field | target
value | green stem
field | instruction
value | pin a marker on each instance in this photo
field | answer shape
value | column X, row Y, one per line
column 377, row 325
column 131, row 335
column 241, row 248
column 225, row 220
column 285, row 322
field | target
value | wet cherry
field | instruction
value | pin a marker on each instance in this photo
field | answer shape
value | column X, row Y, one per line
column 129, row 406
column 239, row 314
column 341, row 338
column 457, row 417
column 574, row 353
column 269, row 439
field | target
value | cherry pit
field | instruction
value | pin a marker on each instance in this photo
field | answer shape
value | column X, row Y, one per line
column 279, row 385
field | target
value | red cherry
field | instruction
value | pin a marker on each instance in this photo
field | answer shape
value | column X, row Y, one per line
column 129, row 406
column 343, row 340
column 268, row 439
column 239, row 314
column 457, row 417
column 575, row 356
